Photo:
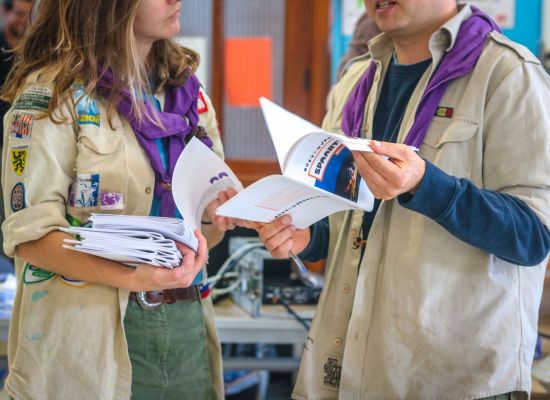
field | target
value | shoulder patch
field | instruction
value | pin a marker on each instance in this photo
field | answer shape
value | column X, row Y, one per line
column 112, row 201
column 17, row 198
column 34, row 98
column 21, row 125
column 72, row 282
column 84, row 192
column 523, row 52
column 86, row 107
column 201, row 103
column 19, row 158
column 32, row 275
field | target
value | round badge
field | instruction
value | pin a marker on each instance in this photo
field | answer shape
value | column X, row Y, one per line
column 72, row 282
column 17, row 200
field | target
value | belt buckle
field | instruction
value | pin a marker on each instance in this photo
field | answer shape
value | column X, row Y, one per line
column 144, row 303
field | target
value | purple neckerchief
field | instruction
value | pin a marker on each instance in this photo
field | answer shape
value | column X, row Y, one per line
column 179, row 118
column 459, row 61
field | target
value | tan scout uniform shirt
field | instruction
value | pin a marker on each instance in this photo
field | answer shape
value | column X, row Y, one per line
column 67, row 338
column 425, row 315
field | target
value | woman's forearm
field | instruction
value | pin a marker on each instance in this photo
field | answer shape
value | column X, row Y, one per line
column 48, row 253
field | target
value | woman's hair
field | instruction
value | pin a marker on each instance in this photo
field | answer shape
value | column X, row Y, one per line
column 79, row 39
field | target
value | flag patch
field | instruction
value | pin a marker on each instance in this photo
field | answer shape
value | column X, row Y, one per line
column 21, row 125
column 444, row 112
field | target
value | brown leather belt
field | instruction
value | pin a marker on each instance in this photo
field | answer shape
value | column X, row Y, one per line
column 169, row 296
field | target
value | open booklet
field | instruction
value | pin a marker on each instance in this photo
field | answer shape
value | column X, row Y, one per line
column 133, row 239
column 319, row 175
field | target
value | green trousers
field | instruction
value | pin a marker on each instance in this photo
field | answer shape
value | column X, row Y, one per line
column 168, row 352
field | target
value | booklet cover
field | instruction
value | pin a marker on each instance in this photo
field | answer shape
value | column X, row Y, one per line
column 319, row 176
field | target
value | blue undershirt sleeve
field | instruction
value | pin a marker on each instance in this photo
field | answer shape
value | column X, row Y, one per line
column 491, row 221
column 317, row 248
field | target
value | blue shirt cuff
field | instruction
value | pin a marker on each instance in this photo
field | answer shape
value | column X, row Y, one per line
column 434, row 194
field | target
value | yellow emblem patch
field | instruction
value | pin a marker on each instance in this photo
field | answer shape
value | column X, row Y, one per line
column 19, row 157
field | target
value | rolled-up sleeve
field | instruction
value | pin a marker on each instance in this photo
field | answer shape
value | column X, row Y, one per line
column 38, row 161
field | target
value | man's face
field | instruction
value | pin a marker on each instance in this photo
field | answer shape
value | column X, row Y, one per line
column 408, row 17
column 17, row 18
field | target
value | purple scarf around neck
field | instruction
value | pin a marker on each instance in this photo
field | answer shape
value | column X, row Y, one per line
column 180, row 119
column 459, row 61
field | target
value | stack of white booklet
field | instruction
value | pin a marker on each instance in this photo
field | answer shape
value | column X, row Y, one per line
column 133, row 240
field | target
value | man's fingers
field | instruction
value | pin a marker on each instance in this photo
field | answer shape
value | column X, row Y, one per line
column 392, row 150
column 269, row 230
column 376, row 164
column 274, row 242
column 282, row 250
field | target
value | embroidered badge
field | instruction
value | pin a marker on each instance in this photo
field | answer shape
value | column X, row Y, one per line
column 201, row 103
column 19, row 157
column 17, row 198
column 112, row 201
column 444, row 112
column 73, row 221
column 72, row 282
column 21, row 125
column 86, row 108
column 333, row 372
column 34, row 98
column 205, row 290
column 33, row 275
column 85, row 191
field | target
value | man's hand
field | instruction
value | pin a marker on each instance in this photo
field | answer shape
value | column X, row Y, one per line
column 399, row 170
column 222, row 223
column 280, row 236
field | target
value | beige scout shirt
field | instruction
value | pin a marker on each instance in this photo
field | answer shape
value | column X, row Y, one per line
column 425, row 315
column 67, row 338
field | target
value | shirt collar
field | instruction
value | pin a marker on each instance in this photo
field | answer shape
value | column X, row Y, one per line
column 442, row 40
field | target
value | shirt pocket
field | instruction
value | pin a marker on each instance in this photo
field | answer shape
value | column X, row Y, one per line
column 450, row 144
column 100, row 170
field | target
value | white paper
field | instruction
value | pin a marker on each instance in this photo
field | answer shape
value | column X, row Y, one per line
column 171, row 228
column 286, row 129
column 319, row 175
column 199, row 175
column 133, row 239
column 277, row 195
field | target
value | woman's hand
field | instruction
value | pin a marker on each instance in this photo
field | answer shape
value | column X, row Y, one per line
column 222, row 223
column 148, row 278
column 280, row 236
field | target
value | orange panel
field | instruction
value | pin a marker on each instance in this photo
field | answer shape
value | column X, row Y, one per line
column 248, row 70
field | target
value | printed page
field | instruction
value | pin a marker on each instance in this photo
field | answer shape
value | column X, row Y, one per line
column 277, row 195
column 286, row 129
column 198, row 177
column 323, row 161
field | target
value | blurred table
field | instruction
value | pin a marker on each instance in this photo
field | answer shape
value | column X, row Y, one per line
column 275, row 326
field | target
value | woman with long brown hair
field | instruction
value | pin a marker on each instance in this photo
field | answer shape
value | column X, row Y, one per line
column 103, row 104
